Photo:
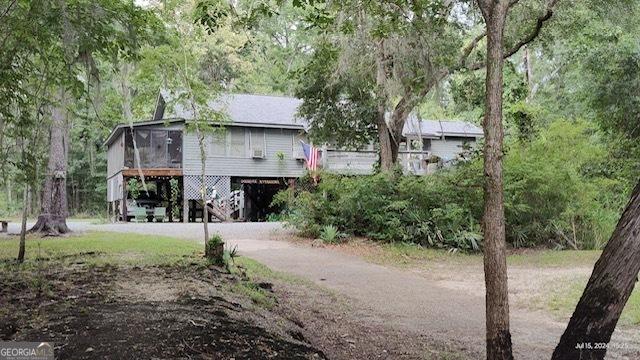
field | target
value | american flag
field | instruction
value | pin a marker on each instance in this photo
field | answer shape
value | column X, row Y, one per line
column 311, row 155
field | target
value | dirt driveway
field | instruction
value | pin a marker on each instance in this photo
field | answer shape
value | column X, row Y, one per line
column 404, row 300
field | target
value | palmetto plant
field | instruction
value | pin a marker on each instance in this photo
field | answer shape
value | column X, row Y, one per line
column 229, row 257
column 330, row 234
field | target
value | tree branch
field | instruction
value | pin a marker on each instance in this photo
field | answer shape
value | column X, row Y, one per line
column 408, row 102
column 536, row 31
column 6, row 11
column 527, row 39
column 466, row 51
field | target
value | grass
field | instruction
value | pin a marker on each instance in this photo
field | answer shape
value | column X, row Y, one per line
column 562, row 300
column 257, row 295
column 408, row 254
column 555, row 258
column 100, row 248
column 257, row 271
column 105, row 248
column 559, row 300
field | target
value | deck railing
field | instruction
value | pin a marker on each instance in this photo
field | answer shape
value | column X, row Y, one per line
column 363, row 161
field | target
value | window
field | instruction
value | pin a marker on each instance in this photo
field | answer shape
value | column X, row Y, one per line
column 218, row 145
column 236, row 142
column 257, row 139
column 426, row 144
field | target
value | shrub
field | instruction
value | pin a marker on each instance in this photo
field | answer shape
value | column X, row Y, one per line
column 553, row 197
column 229, row 256
column 330, row 234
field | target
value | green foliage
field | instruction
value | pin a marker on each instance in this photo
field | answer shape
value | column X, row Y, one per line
column 468, row 90
column 552, row 198
column 214, row 250
column 133, row 186
column 337, row 108
column 330, row 234
column 215, row 240
column 384, row 207
column 175, row 191
column 229, row 257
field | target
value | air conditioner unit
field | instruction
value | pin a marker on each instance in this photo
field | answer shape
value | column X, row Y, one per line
column 257, row 154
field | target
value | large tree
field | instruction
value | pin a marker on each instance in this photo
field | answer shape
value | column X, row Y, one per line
column 493, row 226
column 397, row 52
column 613, row 278
column 610, row 72
column 493, row 220
column 82, row 30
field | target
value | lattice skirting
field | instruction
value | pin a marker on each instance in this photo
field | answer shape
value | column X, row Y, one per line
column 193, row 183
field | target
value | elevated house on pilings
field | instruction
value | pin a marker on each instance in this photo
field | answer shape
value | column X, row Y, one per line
column 258, row 155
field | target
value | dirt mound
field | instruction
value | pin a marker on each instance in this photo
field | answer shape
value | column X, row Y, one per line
column 143, row 313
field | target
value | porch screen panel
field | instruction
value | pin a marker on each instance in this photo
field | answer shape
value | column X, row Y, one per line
column 175, row 149
column 158, row 153
column 143, row 143
column 236, row 146
column 128, row 149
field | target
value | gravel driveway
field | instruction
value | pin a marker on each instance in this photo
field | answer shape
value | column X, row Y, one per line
column 399, row 298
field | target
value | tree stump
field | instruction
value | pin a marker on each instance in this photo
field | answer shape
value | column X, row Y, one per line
column 214, row 251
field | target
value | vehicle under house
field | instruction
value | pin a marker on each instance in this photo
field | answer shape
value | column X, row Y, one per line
column 255, row 155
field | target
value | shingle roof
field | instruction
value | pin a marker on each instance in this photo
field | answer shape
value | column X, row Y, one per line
column 281, row 111
column 251, row 109
column 437, row 128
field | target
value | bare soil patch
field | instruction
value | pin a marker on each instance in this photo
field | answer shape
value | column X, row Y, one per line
column 346, row 330
column 173, row 312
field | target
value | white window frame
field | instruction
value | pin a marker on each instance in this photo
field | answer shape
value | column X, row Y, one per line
column 214, row 137
column 244, row 143
column 264, row 140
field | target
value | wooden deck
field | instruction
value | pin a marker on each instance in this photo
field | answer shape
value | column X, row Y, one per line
column 152, row 172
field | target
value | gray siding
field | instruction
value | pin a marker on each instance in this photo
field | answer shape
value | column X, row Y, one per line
column 276, row 141
column 114, row 188
column 115, row 156
column 447, row 149
column 350, row 162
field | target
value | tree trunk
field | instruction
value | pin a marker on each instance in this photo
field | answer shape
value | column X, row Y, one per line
column 53, row 214
column 2, row 122
column 388, row 145
column 9, row 193
column 528, row 69
column 612, row 281
column 495, row 264
column 127, row 97
column 203, row 189
column 23, row 228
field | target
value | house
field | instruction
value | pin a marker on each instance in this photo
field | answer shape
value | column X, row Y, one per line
column 257, row 155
